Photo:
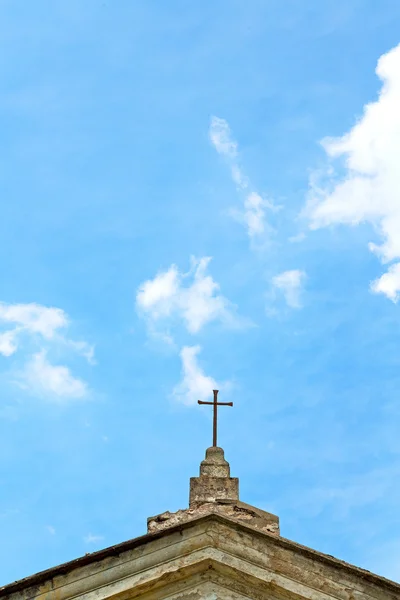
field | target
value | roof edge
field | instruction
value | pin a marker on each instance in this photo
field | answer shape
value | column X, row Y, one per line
column 115, row 550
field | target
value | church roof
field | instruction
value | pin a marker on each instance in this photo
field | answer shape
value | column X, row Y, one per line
column 218, row 541
column 118, row 549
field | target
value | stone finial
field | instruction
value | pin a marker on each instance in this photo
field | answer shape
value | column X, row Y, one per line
column 216, row 492
column 215, row 483
column 214, row 464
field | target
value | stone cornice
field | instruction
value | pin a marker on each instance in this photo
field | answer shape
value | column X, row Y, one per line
column 228, row 546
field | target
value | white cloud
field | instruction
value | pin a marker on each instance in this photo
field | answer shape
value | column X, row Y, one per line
column 37, row 325
column 51, row 529
column 388, row 283
column 34, row 318
column 220, row 136
column 159, row 296
column 290, row 284
column 8, row 343
column 369, row 191
column 195, row 385
column 83, row 348
column 299, row 237
column 253, row 213
column 28, row 318
column 192, row 297
column 55, row 382
column 92, row 539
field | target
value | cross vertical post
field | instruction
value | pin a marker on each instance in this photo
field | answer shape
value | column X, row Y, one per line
column 215, row 410
column 215, row 405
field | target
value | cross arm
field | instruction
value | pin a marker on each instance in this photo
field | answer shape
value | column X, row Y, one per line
column 218, row 403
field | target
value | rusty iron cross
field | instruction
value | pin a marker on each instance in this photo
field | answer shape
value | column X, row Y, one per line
column 215, row 405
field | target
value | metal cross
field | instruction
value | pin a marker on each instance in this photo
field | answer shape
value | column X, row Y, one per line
column 215, row 404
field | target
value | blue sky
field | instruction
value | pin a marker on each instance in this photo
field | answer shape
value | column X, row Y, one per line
column 197, row 195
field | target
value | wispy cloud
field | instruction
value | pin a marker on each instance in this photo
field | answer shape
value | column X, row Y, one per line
column 194, row 385
column 253, row 213
column 28, row 318
column 8, row 342
column 192, row 298
column 83, row 348
column 296, row 239
column 53, row 381
column 43, row 328
column 221, row 138
column 92, row 539
column 351, row 492
column 290, row 284
column 388, row 283
column 369, row 191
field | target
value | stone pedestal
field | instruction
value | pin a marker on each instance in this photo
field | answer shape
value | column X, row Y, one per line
column 214, row 483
